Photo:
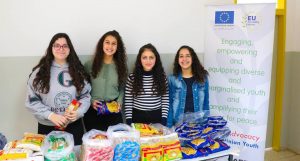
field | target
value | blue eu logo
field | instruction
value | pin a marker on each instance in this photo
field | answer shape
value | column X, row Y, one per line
column 224, row 17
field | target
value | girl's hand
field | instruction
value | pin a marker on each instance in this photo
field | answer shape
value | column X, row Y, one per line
column 71, row 115
column 96, row 104
column 58, row 120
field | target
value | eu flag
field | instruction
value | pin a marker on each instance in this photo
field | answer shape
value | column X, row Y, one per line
column 224, row 17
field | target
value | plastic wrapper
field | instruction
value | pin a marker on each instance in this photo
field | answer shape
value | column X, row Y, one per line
column 199, row 117
column 96, row 147
column 151, row 152
column 170, row 145
column 220, row 134
column 126, row 141
column 200, row 143
column 58, row 146
column 217, row 146
column 3, row 141
column 216, row 121
column 106, row 108
column 31, row 141
column 10, row 151
column 189, row 153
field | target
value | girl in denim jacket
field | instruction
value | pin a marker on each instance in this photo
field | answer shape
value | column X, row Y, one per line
column 188, row 85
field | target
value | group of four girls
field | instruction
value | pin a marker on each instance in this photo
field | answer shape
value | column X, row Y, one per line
column 146, row 95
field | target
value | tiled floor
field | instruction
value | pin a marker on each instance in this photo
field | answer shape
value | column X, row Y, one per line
column 284, row 155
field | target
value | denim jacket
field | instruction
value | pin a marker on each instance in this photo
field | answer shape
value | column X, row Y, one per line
column 177, row 96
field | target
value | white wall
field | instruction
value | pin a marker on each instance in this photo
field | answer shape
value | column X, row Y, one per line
column 292, row 25
column 27, row 26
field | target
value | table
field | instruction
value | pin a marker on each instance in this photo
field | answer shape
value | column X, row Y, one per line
column 229, row 153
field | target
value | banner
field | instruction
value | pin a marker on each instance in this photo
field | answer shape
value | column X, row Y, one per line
column 238, row 56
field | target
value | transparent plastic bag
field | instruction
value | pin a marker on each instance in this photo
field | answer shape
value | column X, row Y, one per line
column 126, row 141
column 199, row 117
column 96, row 146
column 58, row 146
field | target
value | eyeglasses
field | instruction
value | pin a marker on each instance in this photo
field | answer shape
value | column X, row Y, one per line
column 57, row 46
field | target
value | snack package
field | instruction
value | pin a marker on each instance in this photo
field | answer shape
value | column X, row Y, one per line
column 152, row 152
column 96, row 147
column 59, row 146
column 217, row 146
column 10, row 151
column 216, row 121
column 31, row 141
column 199, row 143
column 220, row 134
column 127, row 151
column 146, row 129
column 189, row 153
column 73, row 106
column 106, row 108
column 126, row 141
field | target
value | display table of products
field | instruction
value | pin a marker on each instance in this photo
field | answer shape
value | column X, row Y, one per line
column 193, row 141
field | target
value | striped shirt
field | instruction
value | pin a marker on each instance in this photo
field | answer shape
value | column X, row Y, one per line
column 145, row 101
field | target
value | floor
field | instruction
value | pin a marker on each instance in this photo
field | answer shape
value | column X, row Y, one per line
column 284, row 155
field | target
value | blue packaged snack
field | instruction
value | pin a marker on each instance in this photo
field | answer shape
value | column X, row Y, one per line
column 207, row 131
column 106, row 108
column 127, row 151
column 215, row 118
column 199, row 143
column 203, row 152
column 189, row 153
column 217, row 147
column 220, row 133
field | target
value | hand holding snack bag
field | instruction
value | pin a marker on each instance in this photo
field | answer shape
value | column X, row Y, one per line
column 71, row 113
column 105, row 108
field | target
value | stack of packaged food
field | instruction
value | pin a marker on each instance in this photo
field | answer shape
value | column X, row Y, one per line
column 202, row 139
column 158, row 143
column 28, row 146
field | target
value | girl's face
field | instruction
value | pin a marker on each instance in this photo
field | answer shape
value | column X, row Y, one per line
column 110, row 45
column 185, row 59
column 60, row 50
column 148, row 60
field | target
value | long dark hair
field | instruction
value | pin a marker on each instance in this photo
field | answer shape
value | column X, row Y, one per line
column 198, row 70
column 159, row 75
column 119, row 57
column 41, row 81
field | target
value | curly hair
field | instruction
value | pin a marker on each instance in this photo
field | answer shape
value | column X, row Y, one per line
column 41, row 81
column 159, row 76
column 119, row 57
column 198, row 70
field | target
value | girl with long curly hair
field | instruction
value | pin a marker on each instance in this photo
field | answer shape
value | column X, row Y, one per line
column 146, row 90
column 55, row 81
column 108, row 71
column 188, row 85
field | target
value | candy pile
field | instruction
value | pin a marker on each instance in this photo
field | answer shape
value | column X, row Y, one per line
column 20, row 149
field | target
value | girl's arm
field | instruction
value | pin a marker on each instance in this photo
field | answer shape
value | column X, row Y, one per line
column 170, row 113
